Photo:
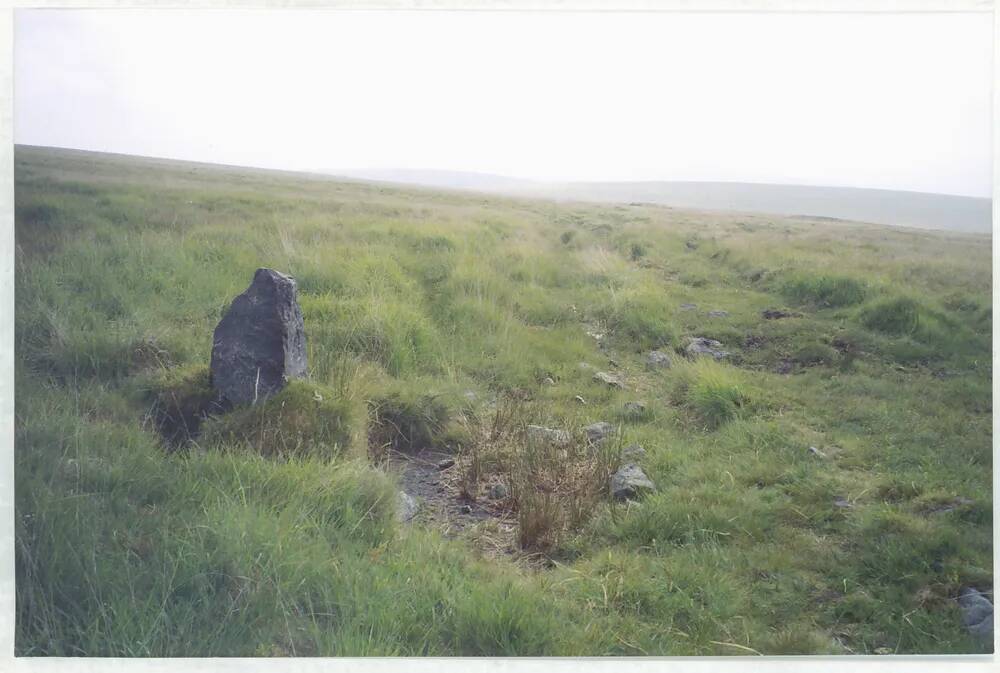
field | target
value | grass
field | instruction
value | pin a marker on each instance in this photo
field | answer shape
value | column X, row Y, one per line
column 150, row 523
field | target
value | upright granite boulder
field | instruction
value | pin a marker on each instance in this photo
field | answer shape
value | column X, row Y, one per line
column 260, row 343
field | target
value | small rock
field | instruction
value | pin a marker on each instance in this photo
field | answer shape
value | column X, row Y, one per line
column 630, row 482
column 547, row 436
column 658, row 359
column 580, row 399
column 548, row 381
column 977, row 613
column 883, row 650
column 498, row 492
column 718, row 314
column 702, row 346
column 951, row 505
column 775, row 314
column 406, row 506
column 633, row 453
column 445, row 464
column 784, row 367
column 612, row 362
column 465, row 509
column 609, row 379
column 634, row 408
column 470, row 395
column 691, row 245
column 688, row 307
column 598, row 432
column 842, row 502
column 816, row 452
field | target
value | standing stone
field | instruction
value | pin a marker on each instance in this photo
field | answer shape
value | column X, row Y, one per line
column 260, row 343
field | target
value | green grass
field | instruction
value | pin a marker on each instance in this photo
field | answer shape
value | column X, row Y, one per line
column 150, row 523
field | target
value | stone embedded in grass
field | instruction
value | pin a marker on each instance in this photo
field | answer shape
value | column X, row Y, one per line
column 977, row 614
column 718, row 314
column 260, row 344
column 630, row 482
column 445, row 464
column 816, row 452
column 580, row 399
column 548, row 381
column 658, row 359
column 547, row 436
column 775, row 314
column 688, row 307
column 701, row 346
column 407, row 507
column 498, row 492
column 598, row 432
column 633, row 453
column 609, row 379
column 634, row 408
column 842, row 502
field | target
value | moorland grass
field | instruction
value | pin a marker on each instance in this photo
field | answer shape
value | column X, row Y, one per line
column 270, row 531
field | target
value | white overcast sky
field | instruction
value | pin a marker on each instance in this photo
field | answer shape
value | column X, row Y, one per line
column 896, row 101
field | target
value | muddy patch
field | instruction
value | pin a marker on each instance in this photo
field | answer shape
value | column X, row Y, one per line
column 434, row 480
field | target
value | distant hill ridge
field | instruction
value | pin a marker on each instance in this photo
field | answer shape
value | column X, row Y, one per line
column 881, row 206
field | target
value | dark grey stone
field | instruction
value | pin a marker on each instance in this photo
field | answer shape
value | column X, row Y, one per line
column 406, row 506
column 633, row 453
column 598, row 432
column 630, row 482
column 609, row 379
column 977, row 614
column 702, row 346
column 658, row 360
column 260, row 344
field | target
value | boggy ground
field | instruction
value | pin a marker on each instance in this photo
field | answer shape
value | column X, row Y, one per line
column 825, row 488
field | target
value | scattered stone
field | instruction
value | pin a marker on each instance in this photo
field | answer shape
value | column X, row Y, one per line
column 658, row 359
column 548, row 381
column 595, row 335
column 691, row 245
column 406, row 506
column 549, row 436
column 718, row 314
column 775, row 314
column 614, row 363
column 445, row 464
column 498, row 492
column 689, row 307
column 630, row 482
column 842, row 502
column 816, row 452
column 784, row 367
column 702, row 346
column 635, row 408
column 633, row 453
column 598, row 432
column 977, row 614
column 609, row 379
column 580, row 399
column 951, row 505
column 465, row 509
column 260, row 343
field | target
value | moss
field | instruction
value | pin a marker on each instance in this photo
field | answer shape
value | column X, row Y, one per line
column 303, row 419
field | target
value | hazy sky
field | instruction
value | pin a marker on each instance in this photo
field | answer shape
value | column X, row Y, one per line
column 896, row 101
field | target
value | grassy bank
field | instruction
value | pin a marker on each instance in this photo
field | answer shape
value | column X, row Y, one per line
column 273, row 532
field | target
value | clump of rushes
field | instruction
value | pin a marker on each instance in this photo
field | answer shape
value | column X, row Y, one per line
column 712, row 390
column 825, row 291
column 304, row 419
column 897, row 316
column 553, row 486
